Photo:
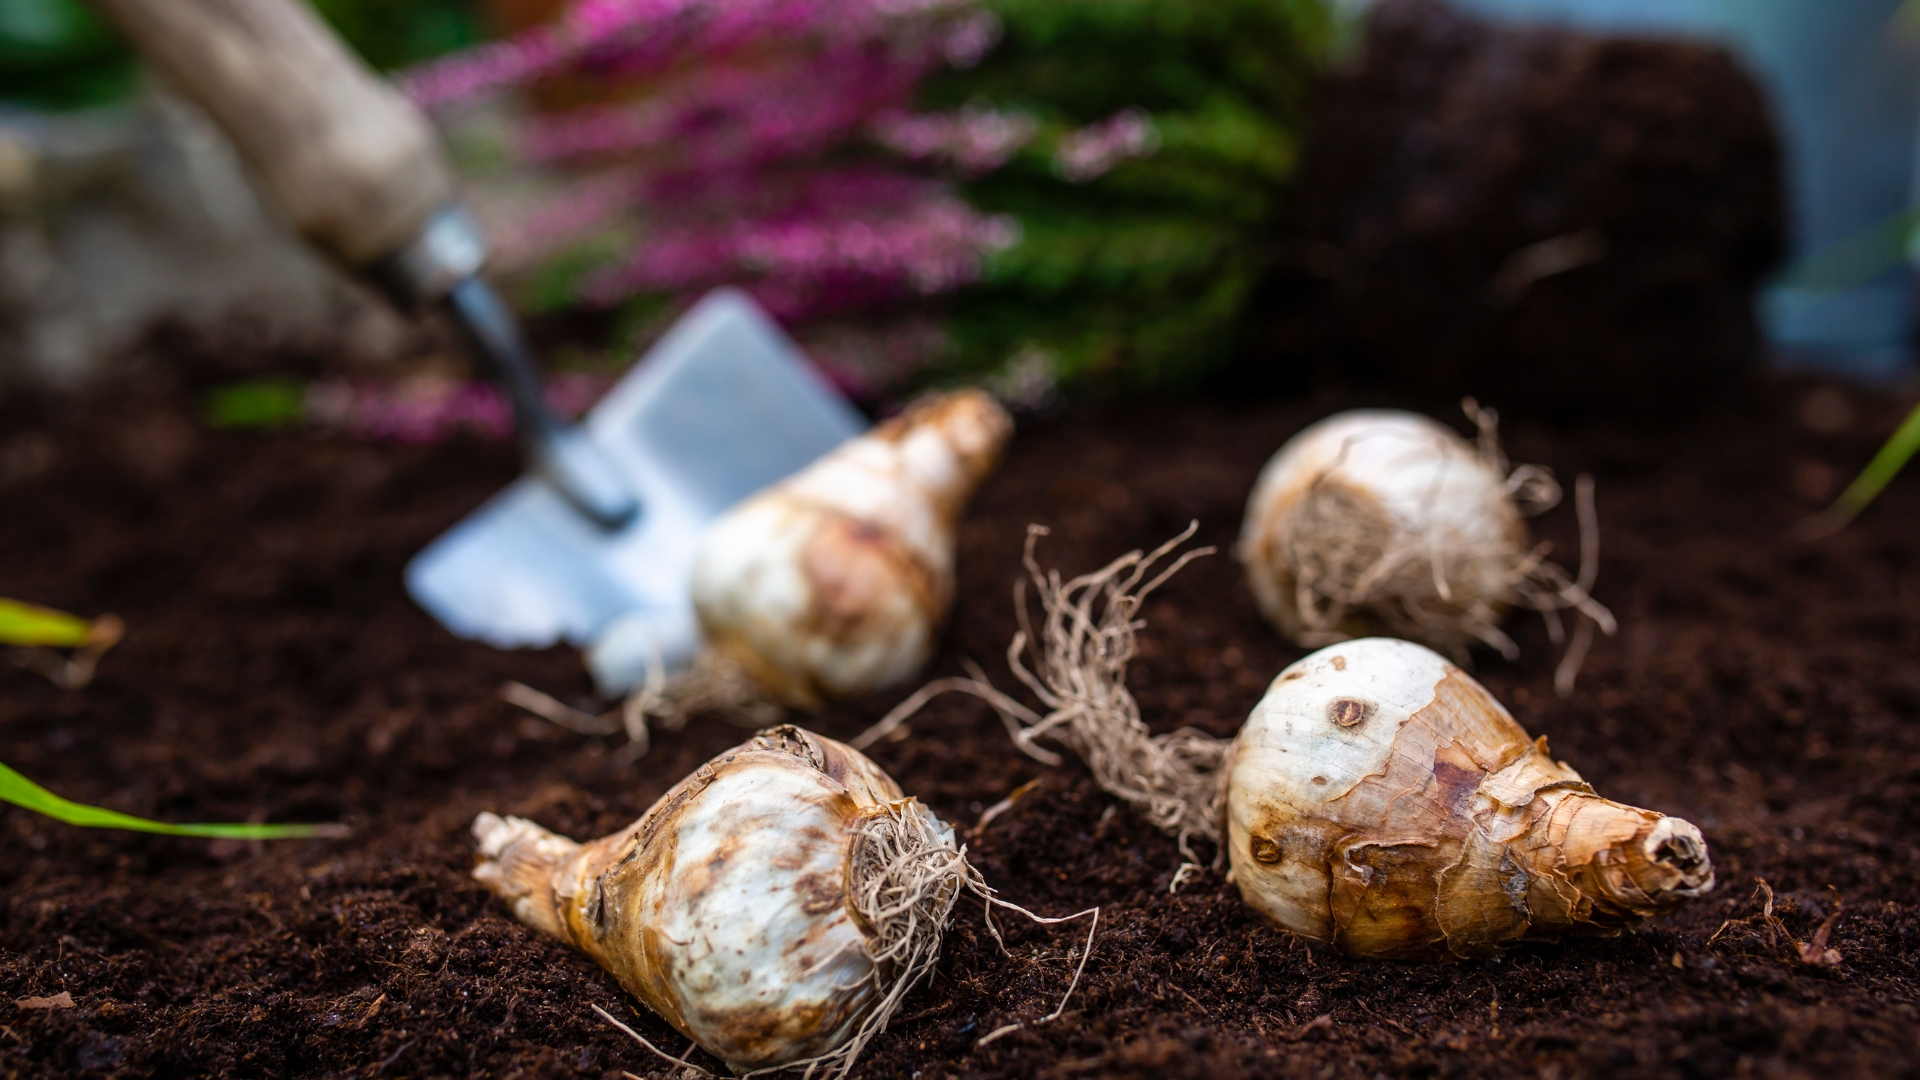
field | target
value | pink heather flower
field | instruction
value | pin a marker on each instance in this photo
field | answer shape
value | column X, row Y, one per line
column 729, row 166
column 978, row 139
column 470, row 74
column 870, row 362
column 969, row 37
column 653, row 33
column 531, row 229
column 709, row 204
column 1093, row 151
column 806, row 265
column 597, row 130
column 784, row 107
column 435, row 409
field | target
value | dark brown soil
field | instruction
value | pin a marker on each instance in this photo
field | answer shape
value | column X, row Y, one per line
column 1564, row 221
column 1765, row 689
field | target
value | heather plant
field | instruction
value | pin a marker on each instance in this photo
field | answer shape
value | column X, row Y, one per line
column 724, row 141
column 922, row 188
column 1149, row 198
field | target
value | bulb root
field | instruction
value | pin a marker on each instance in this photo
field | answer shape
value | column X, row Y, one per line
column 1331, row 562
column 1075, row 663
column 714, row 685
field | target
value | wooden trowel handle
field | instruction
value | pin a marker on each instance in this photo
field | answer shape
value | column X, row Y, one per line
column 352, row 163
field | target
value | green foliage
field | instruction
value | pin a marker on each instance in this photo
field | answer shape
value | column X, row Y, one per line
column 30, row 624
column 1873, row 479
column 57, row 54
column 23, row 792
column 393, row 33
column 555, row 284
column 1848, row 264
column 261, row 403
column 1140, row 275
column 1859, row 258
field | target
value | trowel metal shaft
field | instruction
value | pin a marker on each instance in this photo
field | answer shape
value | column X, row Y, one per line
column 556, row 449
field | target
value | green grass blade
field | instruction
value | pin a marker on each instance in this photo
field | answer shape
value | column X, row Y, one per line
column 1883, row 468
column 30, row 624
column 262, row 403
column 1858, row 259
column 1872, row 480
column 23, row 792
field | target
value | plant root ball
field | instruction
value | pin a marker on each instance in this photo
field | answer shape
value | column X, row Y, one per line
column 1380, row 800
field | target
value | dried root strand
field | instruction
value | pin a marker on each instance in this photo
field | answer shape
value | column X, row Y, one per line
column 1079, row 664
column 1536, row 583
column 904, row 877
column 1075, row 663
column 713, row 685
column 1769, row 927
column 557, row 712
column 903, row 880
column 1442, row 586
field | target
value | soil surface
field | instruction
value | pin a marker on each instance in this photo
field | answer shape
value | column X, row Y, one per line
column 1764, row 688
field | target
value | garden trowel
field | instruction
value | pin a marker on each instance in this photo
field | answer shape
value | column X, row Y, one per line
column 594, row 546
column 721, row 407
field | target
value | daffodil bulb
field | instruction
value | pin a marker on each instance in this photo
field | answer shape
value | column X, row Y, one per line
column 774, row 906
column 1379, row 799
column 837, row 580
column 1380, row 521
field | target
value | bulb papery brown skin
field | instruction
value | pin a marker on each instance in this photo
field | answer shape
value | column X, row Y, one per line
column 1379, row 520
column 836, row 580
column 1379, row 799
column 726, row 908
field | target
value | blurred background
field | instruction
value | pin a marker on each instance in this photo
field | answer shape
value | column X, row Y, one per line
column 1567, row 206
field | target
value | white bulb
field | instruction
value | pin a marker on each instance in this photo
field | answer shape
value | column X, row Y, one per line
column 732, row 908
column 1383, row 521
column 1381, row 800
column 836, row 581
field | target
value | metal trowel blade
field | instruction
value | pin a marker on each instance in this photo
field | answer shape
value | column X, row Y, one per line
column 722, row 406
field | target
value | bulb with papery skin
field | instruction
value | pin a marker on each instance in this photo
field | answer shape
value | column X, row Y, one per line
column 732, row 908
column 1376, row 521
column 1380, row 800
column 837, row 580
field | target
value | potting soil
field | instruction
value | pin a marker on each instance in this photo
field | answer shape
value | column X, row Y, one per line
column 1765, row 688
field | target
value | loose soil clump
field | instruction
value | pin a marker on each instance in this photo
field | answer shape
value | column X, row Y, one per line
column 273, row 668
